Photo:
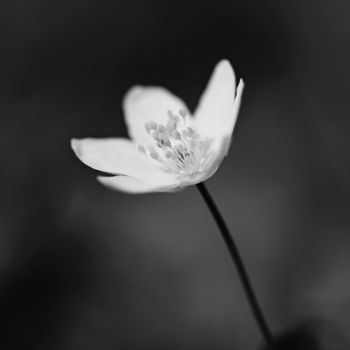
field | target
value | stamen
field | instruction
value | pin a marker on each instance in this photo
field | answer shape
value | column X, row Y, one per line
column 179, row 147
column 150, row 126
column 167, row 143
column 154, row 155
column 177, row 135
column 183, row 113
column 186, row 133
column 161, row 128
column 168, row 154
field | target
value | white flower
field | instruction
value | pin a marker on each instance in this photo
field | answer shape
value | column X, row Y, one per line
column 169, row 148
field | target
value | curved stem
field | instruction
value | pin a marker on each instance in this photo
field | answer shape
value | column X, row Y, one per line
column 242, row 272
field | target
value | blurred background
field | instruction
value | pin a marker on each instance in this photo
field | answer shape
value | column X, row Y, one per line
column 86, row 268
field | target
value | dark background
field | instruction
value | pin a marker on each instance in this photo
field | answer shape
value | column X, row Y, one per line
column 83, row 267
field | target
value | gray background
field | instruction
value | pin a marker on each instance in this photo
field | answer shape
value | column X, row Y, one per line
column 83, row 267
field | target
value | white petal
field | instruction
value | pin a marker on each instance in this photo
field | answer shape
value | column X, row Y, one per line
column 215, row 115
column 120, row 156
column 213, row 164
column 236, row 106
column 220, row 154
column 131, row 185
column 143, row 104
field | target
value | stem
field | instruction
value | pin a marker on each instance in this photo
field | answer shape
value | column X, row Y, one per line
column 242, row 272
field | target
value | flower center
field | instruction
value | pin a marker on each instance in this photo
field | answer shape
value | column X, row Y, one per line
column 177, row 145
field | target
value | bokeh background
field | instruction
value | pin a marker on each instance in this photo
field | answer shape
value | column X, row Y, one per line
column 86, row 268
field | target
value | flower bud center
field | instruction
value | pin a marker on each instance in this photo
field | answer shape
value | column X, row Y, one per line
column 177, row 145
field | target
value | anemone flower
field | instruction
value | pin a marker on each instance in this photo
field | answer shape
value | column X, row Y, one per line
column 169, row 148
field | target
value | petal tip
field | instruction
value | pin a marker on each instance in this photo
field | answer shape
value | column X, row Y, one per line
column 224, row 65
column 106, row 181
column 133, row 93
column 239, row 89
column 241, row 84
column 101, row 179
column 74, row 144
column 224, row 62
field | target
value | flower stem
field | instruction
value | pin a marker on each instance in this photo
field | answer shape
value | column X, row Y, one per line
column 242, row 272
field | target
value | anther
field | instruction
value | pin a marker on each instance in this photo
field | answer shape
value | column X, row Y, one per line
column 167, row 143
column 150, row 126
column 177, row 136
column 161, row 128
column 180, row 150
column 168, row 154
column 183, row 113
column 142, row 149
column 154, row 155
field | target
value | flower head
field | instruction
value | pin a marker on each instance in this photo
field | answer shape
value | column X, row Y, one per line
column 169, row 148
